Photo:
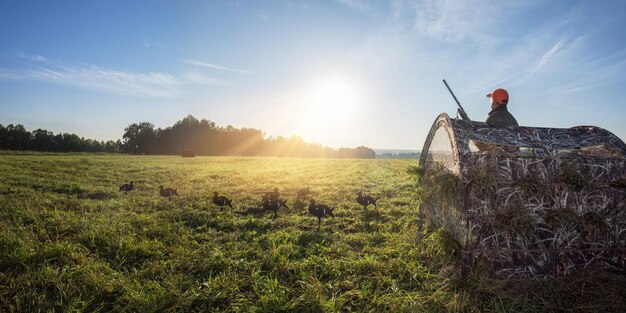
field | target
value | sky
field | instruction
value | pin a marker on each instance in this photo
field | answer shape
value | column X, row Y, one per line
column 341, row 73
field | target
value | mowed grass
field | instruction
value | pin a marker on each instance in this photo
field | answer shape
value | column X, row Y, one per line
column 70, row 241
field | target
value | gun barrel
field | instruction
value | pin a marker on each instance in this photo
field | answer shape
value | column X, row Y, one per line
column 460, row 110
column 452, row 93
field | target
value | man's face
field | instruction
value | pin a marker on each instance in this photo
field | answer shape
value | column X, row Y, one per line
column 494, row 104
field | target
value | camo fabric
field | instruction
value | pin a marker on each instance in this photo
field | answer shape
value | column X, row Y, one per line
column 529, row 202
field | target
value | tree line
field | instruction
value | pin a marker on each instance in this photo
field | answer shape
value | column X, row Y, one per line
column 189, row 135
column 204, row 137
column 16, row 137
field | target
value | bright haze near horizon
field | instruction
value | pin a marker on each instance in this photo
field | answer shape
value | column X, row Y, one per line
column 340, row 73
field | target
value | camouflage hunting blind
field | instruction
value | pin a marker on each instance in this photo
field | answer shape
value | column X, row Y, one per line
column 527, row 201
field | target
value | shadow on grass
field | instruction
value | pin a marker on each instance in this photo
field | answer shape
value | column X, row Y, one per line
column 374, row 216
column 100, row 195
column 71, row 189
column 300, row 205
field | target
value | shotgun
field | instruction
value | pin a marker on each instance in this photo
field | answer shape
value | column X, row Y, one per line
column 460, row 109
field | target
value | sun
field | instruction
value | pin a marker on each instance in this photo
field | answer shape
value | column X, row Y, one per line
column 334, row 99
column 328, row 111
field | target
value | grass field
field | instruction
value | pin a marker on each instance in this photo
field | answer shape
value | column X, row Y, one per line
column 70, row 241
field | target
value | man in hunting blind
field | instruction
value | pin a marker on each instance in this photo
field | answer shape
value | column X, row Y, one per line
column 499, row 114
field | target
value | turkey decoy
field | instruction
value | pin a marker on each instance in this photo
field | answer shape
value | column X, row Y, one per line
column 320, row 210
column 302, row 193
column 168, row 192
column 273, row 195
column 273, row 205
column 365, row 200
column 127, row 187
column 221, row 201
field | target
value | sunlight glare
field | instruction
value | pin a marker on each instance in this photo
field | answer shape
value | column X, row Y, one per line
column 329, row 110
column 334, row 99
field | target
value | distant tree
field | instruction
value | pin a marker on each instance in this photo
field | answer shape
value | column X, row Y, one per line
column 3, row 137
column 17, row 137
column 90, row 145
column 43, row 140
column 140, row 138
column 363, row 152
column 112, row 146
column 68, row 142
column 201, row 136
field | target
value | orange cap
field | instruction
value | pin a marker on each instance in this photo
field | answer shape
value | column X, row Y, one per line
column 500, row 96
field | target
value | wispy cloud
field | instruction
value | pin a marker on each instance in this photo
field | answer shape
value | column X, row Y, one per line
column 214, row 66
column 397, row 9
column 586, row 75
column 453, row 20
column 152, row 44
column 93, row 77
column 548, row 55
column 477, row 21
column 197, row 78
column 37, row 58
column 544, row 60
column 357, row 5
column 460, row 40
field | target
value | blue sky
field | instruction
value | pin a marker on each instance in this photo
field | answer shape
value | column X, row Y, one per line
column 339, row 73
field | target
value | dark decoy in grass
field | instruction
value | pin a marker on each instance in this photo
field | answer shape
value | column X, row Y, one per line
column 302, row 193
column 365, row 200
column 320, row 211
column 270, row 204
column 127, row 187
column 168, row 192
column 221, row 201
column 273, row 195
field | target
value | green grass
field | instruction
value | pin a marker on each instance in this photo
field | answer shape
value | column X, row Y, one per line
column 69, row 241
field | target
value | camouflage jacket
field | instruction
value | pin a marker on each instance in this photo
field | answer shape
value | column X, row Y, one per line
column 501, row 116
